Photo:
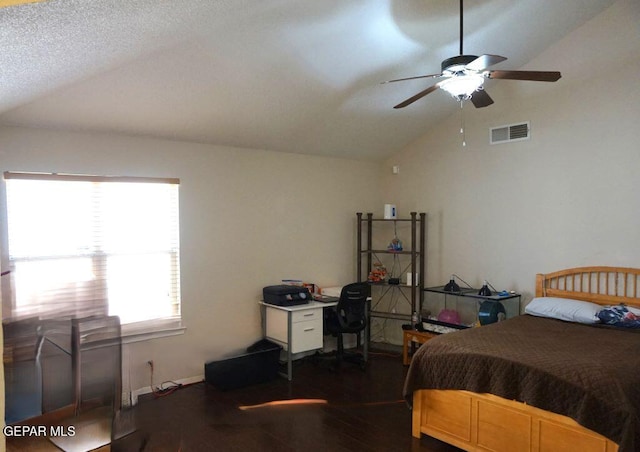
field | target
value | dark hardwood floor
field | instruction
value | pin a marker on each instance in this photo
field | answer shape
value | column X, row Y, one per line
column 320, row 410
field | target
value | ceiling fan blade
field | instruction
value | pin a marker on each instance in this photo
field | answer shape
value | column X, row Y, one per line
column 413, row 78
column 420, row 95
column 484, row 61
column 481, row 99
column 536, row 76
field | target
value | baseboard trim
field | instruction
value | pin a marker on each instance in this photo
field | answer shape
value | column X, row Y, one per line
column 133, row 396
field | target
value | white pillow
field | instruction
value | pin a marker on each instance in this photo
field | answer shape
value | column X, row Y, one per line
column 564, row 309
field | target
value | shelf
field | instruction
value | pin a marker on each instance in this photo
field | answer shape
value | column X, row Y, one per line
column 386, row 284
column 413, row 260
column 390, row 315
column 393, row 219
column 390, row 252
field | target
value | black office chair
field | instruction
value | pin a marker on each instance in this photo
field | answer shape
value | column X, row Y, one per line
column 348, row 317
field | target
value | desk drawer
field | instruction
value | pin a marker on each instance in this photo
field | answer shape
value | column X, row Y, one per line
column 306, row 315
column 306, row 335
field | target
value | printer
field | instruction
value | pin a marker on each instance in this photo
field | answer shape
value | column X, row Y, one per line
column 286, row 295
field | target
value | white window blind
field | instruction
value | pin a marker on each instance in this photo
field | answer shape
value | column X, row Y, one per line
column 90, row 245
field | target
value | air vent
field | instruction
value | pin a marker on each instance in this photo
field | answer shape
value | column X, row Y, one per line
column 509, row 133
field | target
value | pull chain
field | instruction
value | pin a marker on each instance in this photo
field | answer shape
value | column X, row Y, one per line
column 464, row 140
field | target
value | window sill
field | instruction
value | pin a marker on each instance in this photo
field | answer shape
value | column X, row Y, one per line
column 139, row 333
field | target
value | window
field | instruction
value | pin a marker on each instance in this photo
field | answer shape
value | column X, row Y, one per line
column 90, row 245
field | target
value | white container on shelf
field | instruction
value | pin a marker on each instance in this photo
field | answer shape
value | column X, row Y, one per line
column 390, row 212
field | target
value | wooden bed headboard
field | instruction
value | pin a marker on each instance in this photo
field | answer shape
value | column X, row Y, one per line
column 601, row 285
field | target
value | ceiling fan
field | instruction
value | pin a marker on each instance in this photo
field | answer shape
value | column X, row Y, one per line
column 464, row 76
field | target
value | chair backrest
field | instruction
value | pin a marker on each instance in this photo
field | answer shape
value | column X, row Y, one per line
column 351, row 308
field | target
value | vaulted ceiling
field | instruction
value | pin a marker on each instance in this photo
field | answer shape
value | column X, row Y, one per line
column 286, row 75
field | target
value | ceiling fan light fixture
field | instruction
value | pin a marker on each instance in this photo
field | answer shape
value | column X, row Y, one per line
column 465, row 74
column 462, row 87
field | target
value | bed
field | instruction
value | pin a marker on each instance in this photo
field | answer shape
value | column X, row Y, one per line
column 535, row 383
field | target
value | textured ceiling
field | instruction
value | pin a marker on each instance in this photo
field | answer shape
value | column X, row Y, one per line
column 286, row 75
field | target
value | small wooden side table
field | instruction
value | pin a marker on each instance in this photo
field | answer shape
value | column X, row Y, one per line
column 413, row 337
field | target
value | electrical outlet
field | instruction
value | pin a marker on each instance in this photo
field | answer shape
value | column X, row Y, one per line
column 126, row 399
column 150, row 364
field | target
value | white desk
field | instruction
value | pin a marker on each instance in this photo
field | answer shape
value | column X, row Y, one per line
column 299, row 328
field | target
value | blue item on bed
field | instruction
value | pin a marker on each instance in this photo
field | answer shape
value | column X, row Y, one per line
column 619, row 316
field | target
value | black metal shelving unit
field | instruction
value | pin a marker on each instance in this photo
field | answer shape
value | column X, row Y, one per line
column 416, row 254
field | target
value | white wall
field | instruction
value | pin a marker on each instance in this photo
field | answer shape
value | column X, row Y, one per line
column 248, row 219
column 567, row 197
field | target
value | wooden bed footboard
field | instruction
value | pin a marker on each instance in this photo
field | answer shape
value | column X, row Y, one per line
column 484, row 422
